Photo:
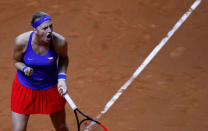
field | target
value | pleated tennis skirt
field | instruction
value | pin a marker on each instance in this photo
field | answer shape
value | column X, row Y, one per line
column 30, row 101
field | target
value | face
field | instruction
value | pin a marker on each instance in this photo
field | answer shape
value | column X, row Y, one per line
column 44, row 31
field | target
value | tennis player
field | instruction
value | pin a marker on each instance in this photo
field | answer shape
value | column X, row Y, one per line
column 41, row 59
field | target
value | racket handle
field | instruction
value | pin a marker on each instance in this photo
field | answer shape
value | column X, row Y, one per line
column 70, row 101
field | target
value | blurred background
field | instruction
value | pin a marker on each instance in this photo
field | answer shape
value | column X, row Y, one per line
column 108, row 40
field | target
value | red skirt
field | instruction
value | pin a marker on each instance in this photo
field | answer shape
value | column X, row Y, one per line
column 29, row 101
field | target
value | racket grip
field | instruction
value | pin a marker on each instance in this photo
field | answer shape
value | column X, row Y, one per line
column 70, row 101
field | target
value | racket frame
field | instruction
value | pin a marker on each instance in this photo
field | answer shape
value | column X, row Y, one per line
column 74, row 107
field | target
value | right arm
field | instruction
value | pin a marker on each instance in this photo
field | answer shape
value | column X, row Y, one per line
column 20, row 45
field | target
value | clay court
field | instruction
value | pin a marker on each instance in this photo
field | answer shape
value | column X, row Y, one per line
column 108, row 40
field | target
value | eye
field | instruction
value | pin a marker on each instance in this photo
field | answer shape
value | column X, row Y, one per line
column 45, row 28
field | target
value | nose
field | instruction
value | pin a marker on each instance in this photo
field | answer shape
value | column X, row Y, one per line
column 49, row 30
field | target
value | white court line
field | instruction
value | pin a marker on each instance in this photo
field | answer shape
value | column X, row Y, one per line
column 149, row 58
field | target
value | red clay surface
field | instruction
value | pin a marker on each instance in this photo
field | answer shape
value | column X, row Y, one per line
column 108, row 40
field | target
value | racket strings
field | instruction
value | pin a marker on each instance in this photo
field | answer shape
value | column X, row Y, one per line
column 89, row 125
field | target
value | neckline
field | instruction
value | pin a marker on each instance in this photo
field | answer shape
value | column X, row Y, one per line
column 30, row 44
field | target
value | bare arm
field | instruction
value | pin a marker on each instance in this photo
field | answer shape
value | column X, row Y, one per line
column 63, row 61
column 62, row 50
column 19, row 48
column 20, row 45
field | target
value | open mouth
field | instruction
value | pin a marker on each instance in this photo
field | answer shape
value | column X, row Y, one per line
column 49, row 36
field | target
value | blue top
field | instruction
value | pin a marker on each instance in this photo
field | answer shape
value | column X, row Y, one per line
column 44, row 66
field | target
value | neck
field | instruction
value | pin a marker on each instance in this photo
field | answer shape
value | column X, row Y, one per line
column 40, row 42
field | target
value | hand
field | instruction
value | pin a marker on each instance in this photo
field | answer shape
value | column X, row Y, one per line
column 62, row 88
column 28, row 71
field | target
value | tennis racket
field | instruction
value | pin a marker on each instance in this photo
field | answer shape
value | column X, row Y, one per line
column 84, row 122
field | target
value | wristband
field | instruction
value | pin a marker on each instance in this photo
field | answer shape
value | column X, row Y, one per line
column 62, row 76
column 23, row 69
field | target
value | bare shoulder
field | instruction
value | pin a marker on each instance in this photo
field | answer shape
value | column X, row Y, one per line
column 60, row 44
column 20, row 45
column 59, row 40
column 22, row 39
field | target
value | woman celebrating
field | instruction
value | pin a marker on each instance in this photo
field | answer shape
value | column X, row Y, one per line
column 41, row 59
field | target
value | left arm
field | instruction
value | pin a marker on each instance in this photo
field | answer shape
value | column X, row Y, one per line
column 63, row 61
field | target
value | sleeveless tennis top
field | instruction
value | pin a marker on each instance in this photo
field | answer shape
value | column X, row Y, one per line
column 44, row 66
